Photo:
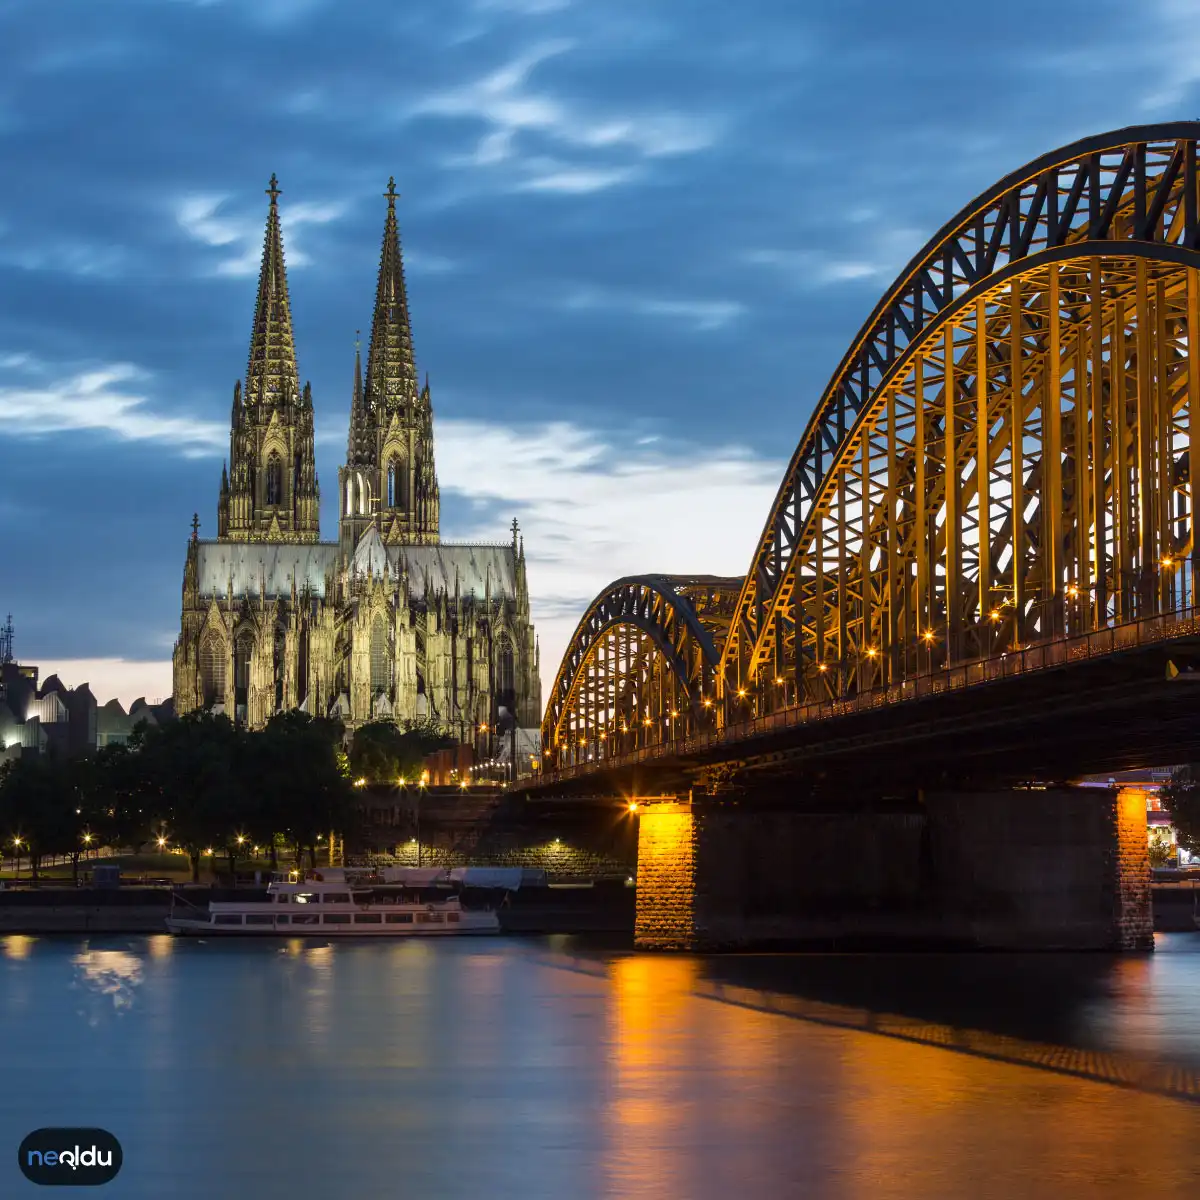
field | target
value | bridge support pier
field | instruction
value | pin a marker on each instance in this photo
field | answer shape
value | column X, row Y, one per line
column 1063, row 868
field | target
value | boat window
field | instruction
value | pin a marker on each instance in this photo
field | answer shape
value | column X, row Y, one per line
column 229, row 919
column 282, row 898
column 306, row 919
column 337, row 918
column 308, row 898
column 259, row 919
column 368, row 918
column 399, row 918
column 282, row 919
column 336, row 898
column 452, row 917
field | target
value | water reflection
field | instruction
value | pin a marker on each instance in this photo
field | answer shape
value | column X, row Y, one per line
column 111, row 973
column 16, row 945
column 494, row 1068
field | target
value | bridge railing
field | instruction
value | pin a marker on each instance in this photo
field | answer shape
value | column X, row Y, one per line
column 1114, row 639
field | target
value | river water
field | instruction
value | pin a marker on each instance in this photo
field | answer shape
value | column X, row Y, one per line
column 558, row 1068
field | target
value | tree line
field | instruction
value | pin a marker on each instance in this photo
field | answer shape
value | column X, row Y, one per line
column 202, row 784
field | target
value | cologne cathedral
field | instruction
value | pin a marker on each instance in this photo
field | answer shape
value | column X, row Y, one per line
column 385, row 623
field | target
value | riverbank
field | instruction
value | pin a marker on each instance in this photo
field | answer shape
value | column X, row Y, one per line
column 605, row 907
column 601, row 908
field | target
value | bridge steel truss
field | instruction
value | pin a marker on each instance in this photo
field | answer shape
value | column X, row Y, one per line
column 640, row 669
column 1003, row 456
column 1000, row 461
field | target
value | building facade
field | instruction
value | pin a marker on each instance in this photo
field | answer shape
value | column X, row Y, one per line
column 388, row 621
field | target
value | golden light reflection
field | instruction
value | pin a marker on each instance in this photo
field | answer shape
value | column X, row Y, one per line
column 932, row 1122
column 651, row 1047
column 160, row 945
column 16, row 945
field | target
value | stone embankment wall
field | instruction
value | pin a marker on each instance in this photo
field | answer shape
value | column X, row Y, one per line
column 489, row 830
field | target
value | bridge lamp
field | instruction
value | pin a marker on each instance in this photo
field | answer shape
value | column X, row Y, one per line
column 872, row 652
column 742, row 693
column 1072, row 591
column 928, row 635
column 822, row 667
column 993, row 615
column 633, row 806
column 674, row 713
column 87, row 839
column 162, row 841
column 778, row 679
column 1168, row 562
column 241, row 837
column 707, row 703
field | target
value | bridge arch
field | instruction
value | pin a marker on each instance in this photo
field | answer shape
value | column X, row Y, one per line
column 639, row 668
column 1003, row 454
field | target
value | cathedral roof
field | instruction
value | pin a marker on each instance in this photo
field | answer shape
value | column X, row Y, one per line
column 370, row 556
column 476, row 568
column 248, row 564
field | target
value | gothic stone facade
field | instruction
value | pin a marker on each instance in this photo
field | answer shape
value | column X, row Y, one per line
column 388, row 622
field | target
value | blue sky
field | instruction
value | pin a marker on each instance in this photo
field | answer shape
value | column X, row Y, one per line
column 639, row 235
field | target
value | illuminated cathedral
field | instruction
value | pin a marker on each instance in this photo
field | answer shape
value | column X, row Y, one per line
column 388, row 622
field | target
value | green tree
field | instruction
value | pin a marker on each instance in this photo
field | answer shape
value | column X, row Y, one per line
column 192, row 782
column 38, row 806
column 1181, row 798
column 382, row 752
column 1162, row 851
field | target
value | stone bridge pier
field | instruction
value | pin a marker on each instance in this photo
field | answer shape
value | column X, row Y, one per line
column 1060, row 868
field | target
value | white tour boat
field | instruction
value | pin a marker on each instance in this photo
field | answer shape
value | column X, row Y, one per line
column 335, row 903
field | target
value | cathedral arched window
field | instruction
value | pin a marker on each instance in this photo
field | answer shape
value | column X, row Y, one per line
column 506, row 679
column 391, row 492
column 212, row 671
column 243, row 652
column 280, row 665
column 380, row 666
column 274, row 480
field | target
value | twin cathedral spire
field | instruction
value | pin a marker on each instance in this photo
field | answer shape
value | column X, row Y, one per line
column 269, row 493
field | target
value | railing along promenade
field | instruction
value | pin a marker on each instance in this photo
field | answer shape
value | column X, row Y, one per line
column 1114, row 639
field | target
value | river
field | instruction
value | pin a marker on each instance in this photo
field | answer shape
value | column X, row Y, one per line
column 559, row 1068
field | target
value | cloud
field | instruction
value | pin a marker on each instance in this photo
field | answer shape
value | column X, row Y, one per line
column 574, row 181
column 264, row 12
column 701, row 315
column 504, row 101
column 113, row 678
column 99, row 400
column 523, row 8
column 82, row 259
column 594, row 508
column 201, row 218
column 1175, row 47
column 877, row 254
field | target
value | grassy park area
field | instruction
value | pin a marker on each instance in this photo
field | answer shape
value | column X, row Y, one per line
column 150, row 866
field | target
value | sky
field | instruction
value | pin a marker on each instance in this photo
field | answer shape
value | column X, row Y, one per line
column 638, row 235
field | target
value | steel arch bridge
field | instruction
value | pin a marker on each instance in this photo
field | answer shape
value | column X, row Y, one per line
column 1001, row 460
column 641, row 665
